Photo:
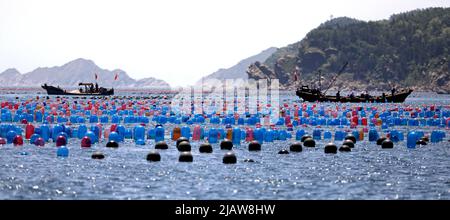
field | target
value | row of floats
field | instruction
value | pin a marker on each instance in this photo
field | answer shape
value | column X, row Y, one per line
column 120, row 119
column 139, row 133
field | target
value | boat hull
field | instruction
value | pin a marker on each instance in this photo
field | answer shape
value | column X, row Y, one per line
column 51, row 90
column 314, row 97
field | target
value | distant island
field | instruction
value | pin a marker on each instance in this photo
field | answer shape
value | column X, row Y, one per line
column 410, row 49
column 74, row 72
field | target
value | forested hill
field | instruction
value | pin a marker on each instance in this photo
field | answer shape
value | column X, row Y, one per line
column 408, row 49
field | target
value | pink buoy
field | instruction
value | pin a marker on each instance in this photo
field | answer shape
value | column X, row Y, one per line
column 2, row 141
column 249, row 135
column 348, row 115
column 99, row 126
column 197, row 133
column 18, row 140
column 334, row 114
column 61, row 141
column 106, row 133
column 49, row 119
column 287, row 120
column 86, row 142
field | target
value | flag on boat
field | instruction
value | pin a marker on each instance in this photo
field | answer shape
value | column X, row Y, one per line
column 296, row 73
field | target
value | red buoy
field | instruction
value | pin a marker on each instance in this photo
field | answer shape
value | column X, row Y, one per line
column 86, row 142
column 61, row 141
column 18, row 140
column 29, row 130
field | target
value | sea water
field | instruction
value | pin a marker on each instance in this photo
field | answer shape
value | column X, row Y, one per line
column 367, row 172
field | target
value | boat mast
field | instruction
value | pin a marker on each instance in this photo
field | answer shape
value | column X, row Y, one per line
column 334, row 79
column 320, row 83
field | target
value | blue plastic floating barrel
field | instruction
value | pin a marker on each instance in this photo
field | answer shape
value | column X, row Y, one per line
column 114, row 136
column 63, row 151
column 6, row 116
column 401, row 137
column 45, row 132
column 73, row 119
column 215, row 120
column 419, row 134
column 213, row 136
column 115, row 119
column 34, row 137
column 139, row 132
column 395, row 137
column 82, row 129
column 236, row 136
column 172, row 119
column 339, row 135
column 81, row 120
column 268, row 136
column 96, row 130
column 55, row 131
column 151, row 134
column 140, row 142
column 435, row 136
column 159, row 134
column 69, row 132
column 276, row 134
column 221, row 133
column 162, row 120
column 299, row 134
column 92, row 136
column 129, row 134
column 282, row 135
column 356, row 134
column 373, row 135
column 327, row 135
column 121, row 131
column 60, row 119
column 411, row 139
column 10, row 136
column 38, row 116
column 280, row 121
column 316, row 134
column 104, row 119
column 186, row 132
column 144, row 120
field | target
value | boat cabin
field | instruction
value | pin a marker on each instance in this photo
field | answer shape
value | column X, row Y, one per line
column 88, row 87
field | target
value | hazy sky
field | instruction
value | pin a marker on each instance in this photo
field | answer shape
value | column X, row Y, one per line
column 175, row 40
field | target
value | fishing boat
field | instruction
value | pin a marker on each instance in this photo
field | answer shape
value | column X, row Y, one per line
column 90, row 89
column 314, row 95
column 317, row 95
